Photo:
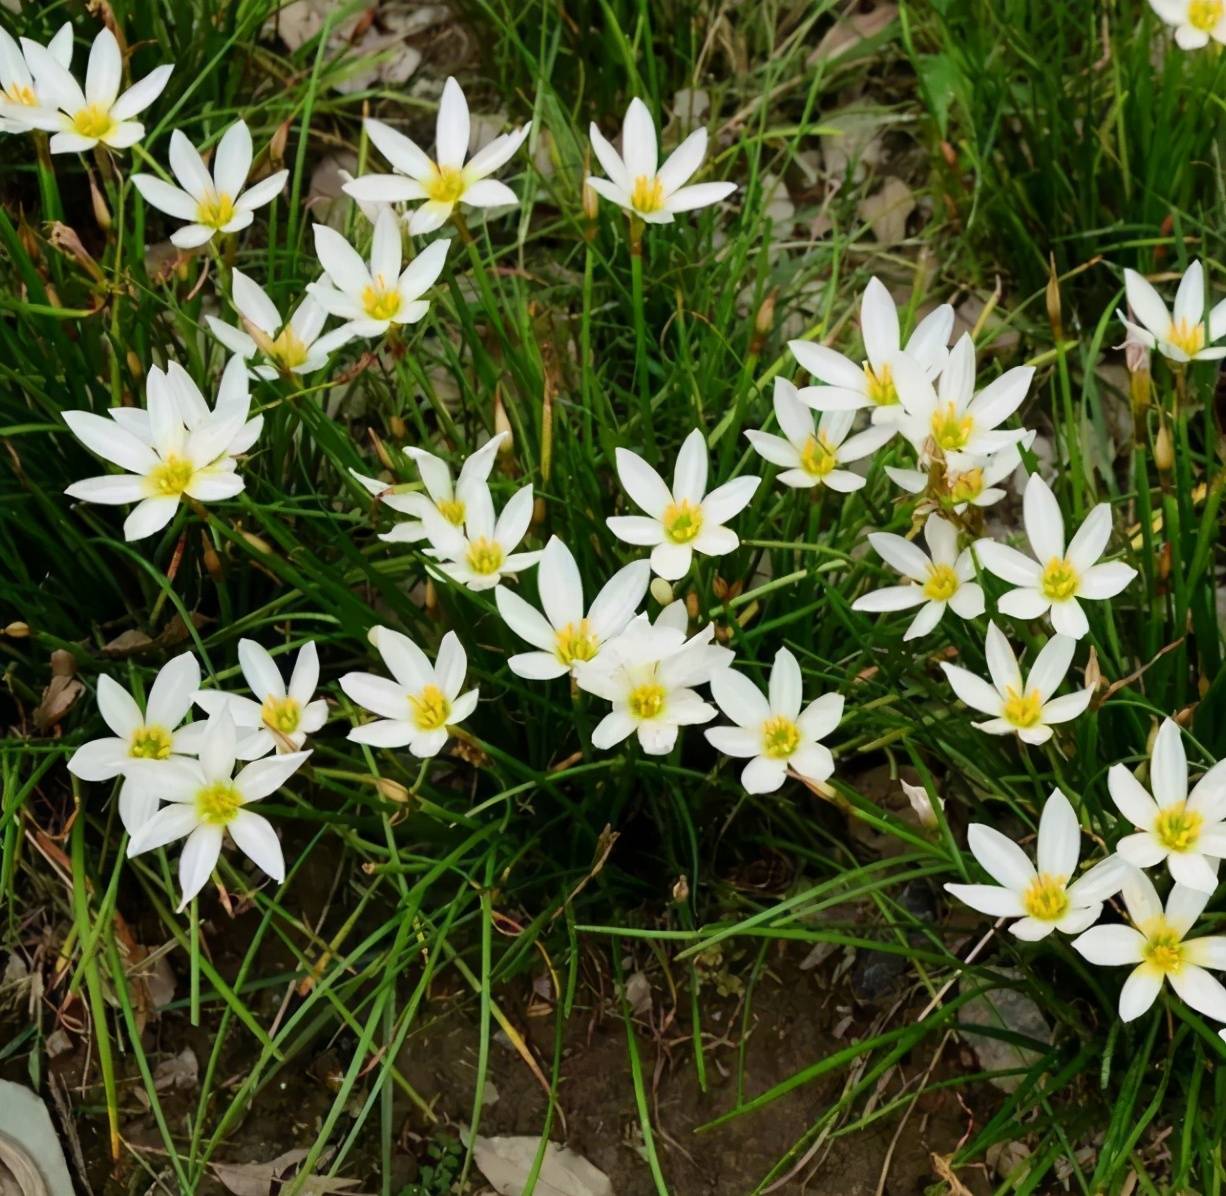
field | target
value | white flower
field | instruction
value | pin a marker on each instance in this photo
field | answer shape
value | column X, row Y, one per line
column 849, row 387
column 648, row 674
column 773, row 729
column 975, row 481
column 443, row 496
column 635, row 183
column 281, row 717
column 174, row 461
column 81, row 119
column 1188, row 832
column 210, row 203
column 424, row 700
column 1060, row 576
column 922, row 804
column 1026, row 709
column 685, row 519
column 291, row 347
column 483, row 551
column 1041, row 900
column 945, row 580
column 447, row 181
column 1185, row 334
column 1195, row 21
column 18, row 91
column 206, row 801
column 1158, row 945
column 374, row 299
column 564, row 635
column 812, row 457
column 152, row 734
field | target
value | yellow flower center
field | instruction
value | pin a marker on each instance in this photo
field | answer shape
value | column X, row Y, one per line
column 1164, row 947
column 942, row 583
column 819, row 456
column 1060, row 580
column 453, row 510
column 446, row 185
column 93, row 121
column 1187, row 336
column 965, row 487
column 682, row 521
column 1205, row 14
column 281, row 714
column 879, row 385
column 430, row 708
column 171, row 477
column 216, row 804
column 780, row 737
column 149, row 743
column 19, row 93
column 287, row 350
column 379, row 302
column 647, row 195
column 1178, row 828
column 576, row 641
column 950, row 430
column 1022, row 710
column 485, row 556
column 646, row 701
column 1046, row 898
column 215, row 211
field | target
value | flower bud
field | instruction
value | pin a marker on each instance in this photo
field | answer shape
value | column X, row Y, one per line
column 102, row 214
column 1164, row 449
column 1053, row 301
column 921, row 803
column 661, row 591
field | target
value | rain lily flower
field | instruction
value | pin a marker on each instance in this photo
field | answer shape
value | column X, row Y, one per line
column 417, row 708
column 1194, row 21
column 812, row 457
column 17, row 88
column 1059, row 576
column 1042, row 899
column 289, row 347
column 80, row 119
column 1157, row 944
column 634, row 182
column 648, row 673
column 280, row 717
column 153, row 734
column 206, row 801
column 373, row 299
column 175, row 461
column 564, row 635
column 480, row 553
column 975, row 482
column 1183, row 335
column 445, row 182
column 848, row 386
column 951, row 419
column 771, row 728
column 947, row 579
column 446, row 498
column 1022, row 708
column 1188, row 832
column 210, row 203
column 685, row 519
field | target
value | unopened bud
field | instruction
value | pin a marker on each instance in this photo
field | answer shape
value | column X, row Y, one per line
column 502, row 424
column 212, row 562
column 681, row 889
column 102, row 214
column 17, row 631
column 1053, row 301
column 392, row 790
column 135, row 367
column 258, row 543
column 1093, row 670
column 1164, row 449
column 661, row 591
column 691, row 604
column 921, row 803
column 398, row 428
column 385, row 458
column 276, row 147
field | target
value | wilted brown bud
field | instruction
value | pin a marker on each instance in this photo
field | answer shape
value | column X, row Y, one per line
column 385, row 458
column 681, row 889
column 502, row 424
column 102, row 214
column 691, row 604
column 212, row 562
column 1054, row 316
column 397, row 427
column 1093, row 671
column 276, row 147
column 391, row 790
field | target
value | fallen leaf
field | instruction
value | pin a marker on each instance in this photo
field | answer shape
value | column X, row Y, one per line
column 507, row 1162
column 256, row 1179
column 888, row 211
column 182, row 1071
column 61, row 693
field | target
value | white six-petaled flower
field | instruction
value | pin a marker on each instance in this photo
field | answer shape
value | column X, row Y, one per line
column 445, row 180
column 565, row 635
column 479, row 554
column 1157, row 944
column 416, row 709
column 1061, row 575
column 639, row 184
column 1194, row 21
column 1022, row 708
column 206, row 801
column 772, row 728
column 684, row 519
column 152, row 734
column 1045, row 898
column 850, row 387
column 1181, row 335
column 80, row 119
column 1188, row 831
column 371, row 299
column 18, row 90
column 947, row 579
column 812, row 456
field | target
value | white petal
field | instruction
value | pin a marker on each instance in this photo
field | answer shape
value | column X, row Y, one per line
column 1110, row 946
column 1059, row 837
column 1168, row 767
column 451, row 132
column 1002, row 859
column 232, row 159
column 198, row 860
column 257, row 840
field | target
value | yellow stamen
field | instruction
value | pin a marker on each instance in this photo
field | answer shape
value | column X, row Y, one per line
column 430, row 708
column 381, row 302
column 965, row 487
column 1164, row 948
column 288, row 351
column 879, row 385
column 149, row 743
column 453, row 510
column 93, row 121
column 215, row 211
column 170, row 478
column 647, row 194
column 950, row 430
column 1178, row 828
column 1022, row 710
column 1060, row 580
column 780, row 737
column 1185, row 335
column 819, row 456
column 216, row 804
column 942, row 583
column 1205, row 14
column 446, row 185
column 576, row 641
column 485, row 556
column 646, row 701
column 682, row 521
column 19, row 93
column 1046, row 898
column 281, row 714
